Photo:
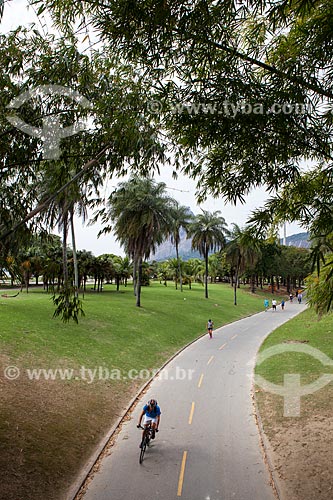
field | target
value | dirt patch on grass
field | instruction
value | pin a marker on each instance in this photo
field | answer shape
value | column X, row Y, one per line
column 49, row 429
column 301, row 448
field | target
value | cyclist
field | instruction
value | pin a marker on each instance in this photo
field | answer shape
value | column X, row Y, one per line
column 152, row 413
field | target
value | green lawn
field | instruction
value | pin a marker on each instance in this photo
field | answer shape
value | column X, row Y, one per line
column 114, row 331
column 48, row 428
column 300, row 443
column 304, row 330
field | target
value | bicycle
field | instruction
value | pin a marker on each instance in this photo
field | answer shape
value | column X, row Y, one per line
column 147, row 435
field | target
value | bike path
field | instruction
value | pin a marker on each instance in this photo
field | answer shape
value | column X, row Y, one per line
column 208, row 446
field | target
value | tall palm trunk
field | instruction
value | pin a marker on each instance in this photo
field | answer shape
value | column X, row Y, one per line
column 235, row 288
column 76, row 267
column 138, row 285
column 64, row 253
column 206, row 271
column 288, row 283
column 135, row 268
column 236, row 279
column 253, row 283
column 64, row 249
column 179, row 270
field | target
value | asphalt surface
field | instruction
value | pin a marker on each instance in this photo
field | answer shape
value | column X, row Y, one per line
column 208, row 447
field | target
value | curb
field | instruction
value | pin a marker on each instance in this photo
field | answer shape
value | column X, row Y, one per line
column 265, row 448
column 78, row 487
column 264, row 442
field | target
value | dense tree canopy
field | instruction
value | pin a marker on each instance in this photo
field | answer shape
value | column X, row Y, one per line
column 238, row 64
column 241, row 92
column 117, row 134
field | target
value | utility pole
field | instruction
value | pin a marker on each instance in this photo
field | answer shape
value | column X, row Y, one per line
column 285, row 234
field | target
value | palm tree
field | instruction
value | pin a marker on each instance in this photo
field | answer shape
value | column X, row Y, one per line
column 182, row 217
column 126, row 266
column 214, row 264
column 64, row 199
column 142, row 216
column 62, row 208
column 208, row 231
column 175, row 270
column 163, row 272
column 195, row 270
column 242, row 251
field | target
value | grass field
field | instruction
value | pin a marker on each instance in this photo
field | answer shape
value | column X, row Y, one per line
column 300, row 445
column 114, row 330
column 306, row 331
column 48, row 428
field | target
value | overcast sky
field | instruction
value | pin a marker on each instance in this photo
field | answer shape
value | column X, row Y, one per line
column 182, row 189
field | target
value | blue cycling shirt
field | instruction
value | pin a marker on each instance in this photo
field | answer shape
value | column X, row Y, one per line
column 154, row 413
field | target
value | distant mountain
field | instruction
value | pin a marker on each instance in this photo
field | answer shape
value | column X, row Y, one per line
column 300, row 240
column 167, row 249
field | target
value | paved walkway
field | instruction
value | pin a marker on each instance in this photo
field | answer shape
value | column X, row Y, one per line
column 208, row 445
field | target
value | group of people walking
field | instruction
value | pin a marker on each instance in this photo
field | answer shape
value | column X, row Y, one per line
column 298, row 295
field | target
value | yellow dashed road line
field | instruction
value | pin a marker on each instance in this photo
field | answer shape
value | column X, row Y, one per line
column 181, row 475
column 200, row 380
column 191, row 413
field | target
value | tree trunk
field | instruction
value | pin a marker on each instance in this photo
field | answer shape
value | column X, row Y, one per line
column 179, row 270
column 64, row 253
column 64, row 250
column 138, row 285
column 206, row 271
column 76, row 266
column 253, row 283
column 135, row 265
column 235, row 288
column 27, row 278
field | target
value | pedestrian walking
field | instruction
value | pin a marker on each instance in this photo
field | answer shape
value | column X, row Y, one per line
column 266, row 304
column 274, row 304
column 282, row 304
column 210, row 326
